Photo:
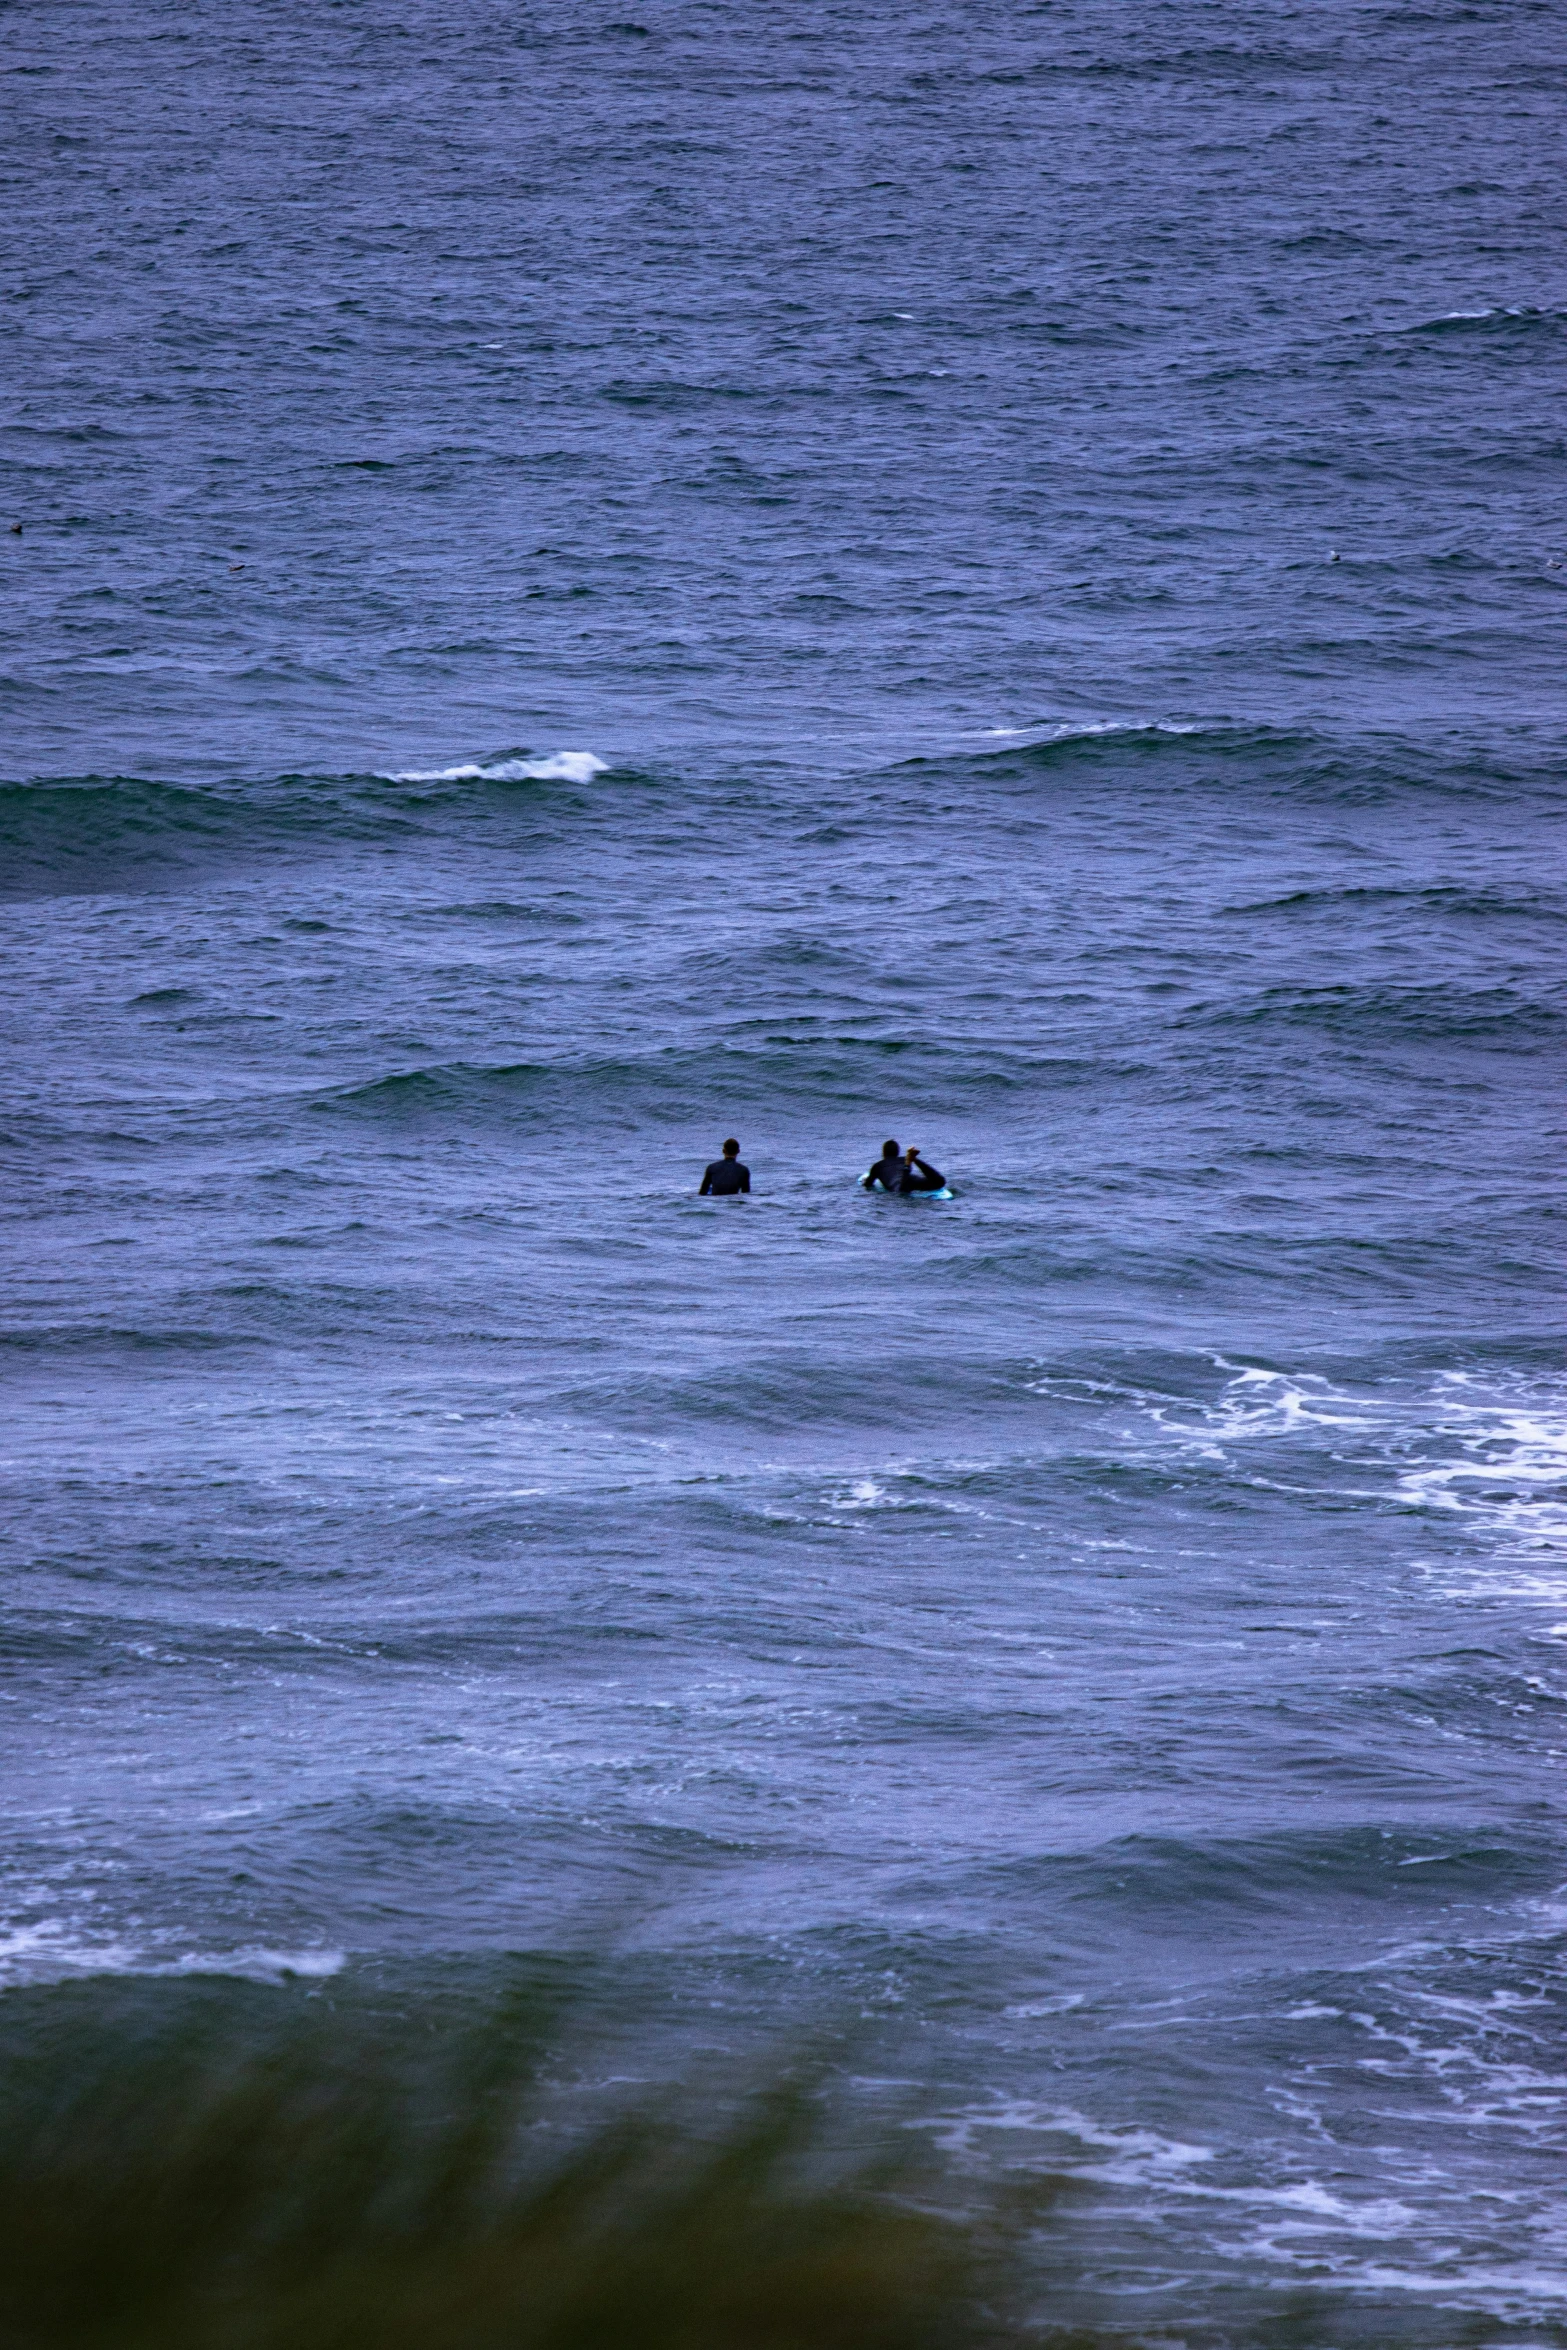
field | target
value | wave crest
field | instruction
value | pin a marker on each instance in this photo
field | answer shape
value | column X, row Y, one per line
column 559, row 767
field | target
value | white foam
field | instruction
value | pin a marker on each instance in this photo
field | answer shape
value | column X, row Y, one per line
column 1083, row 730
column 50, row 1951
column 258, row 1965
column 559, row 767
column 1507, row 1464
column 863, row 1494
column 1135, row 2156
column 1325, row 2222
column 905, row 1491
column 1493, row 1451
column 1500, row 310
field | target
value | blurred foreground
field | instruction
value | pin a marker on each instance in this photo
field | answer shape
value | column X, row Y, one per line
column 197, row 2165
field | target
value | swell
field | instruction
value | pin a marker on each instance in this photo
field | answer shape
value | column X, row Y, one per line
column 1161, row 1884
column 1352, row 766
column 673, row 1083
column 77, row 839
column 1523, row 323
column 930, row 1074
column 70, row 834
column 82, row 836
column 1447, row 900
column 1500, row 1016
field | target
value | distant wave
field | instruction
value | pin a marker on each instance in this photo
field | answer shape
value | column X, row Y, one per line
column 559, row 767
column 1449, row 898
column 1047, row 730
column 828, row 1069
column 1128, row 745
column 1503, row 1015
column 96, row 834
column 1050, row 735
column 1509, row 316
column 1362, row 764
column 80, row 837
column 83, row 835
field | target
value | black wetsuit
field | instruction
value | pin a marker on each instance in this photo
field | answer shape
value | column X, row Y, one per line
column 724, row 1178
column 886, row 1175
column 920, row 1177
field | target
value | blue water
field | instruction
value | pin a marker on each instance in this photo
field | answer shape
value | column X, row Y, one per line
column 987, row 576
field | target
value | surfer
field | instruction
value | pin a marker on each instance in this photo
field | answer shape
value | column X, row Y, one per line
column 887, row 1174
column 917, row 1176
column 726, row 1178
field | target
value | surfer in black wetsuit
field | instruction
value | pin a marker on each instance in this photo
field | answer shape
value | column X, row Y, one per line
column 887, row 1174
column 726, row 1178
column 917, row 1176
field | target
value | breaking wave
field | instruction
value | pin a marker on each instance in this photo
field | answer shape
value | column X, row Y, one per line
column 559, row 767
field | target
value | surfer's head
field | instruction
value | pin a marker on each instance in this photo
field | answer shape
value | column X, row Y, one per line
column 731, row 1148
column 889, row 1150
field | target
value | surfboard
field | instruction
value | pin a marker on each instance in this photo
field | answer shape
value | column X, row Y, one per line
column 946, row 1191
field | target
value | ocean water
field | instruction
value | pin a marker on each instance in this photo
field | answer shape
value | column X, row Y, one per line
column 987, row 575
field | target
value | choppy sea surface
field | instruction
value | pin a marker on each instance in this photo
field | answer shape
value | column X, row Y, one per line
column 992, row 576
